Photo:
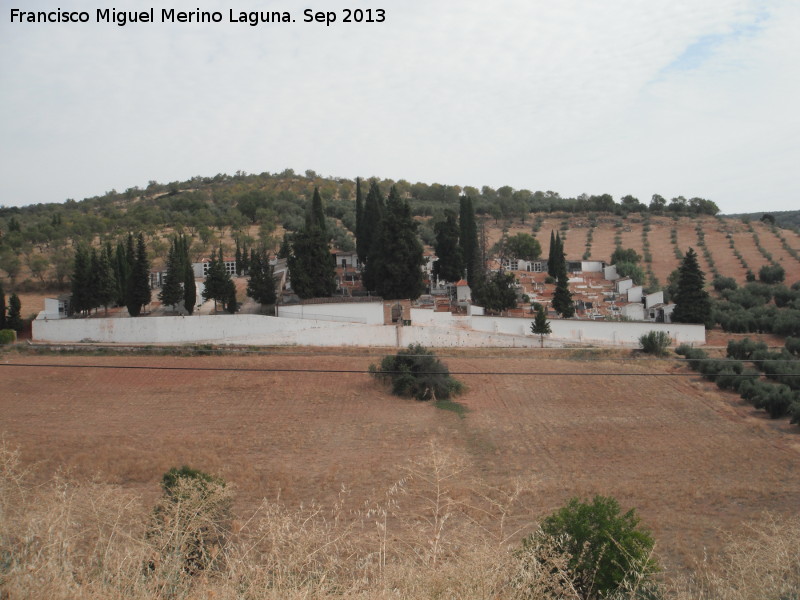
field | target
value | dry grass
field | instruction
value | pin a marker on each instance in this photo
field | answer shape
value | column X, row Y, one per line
column 80, row 539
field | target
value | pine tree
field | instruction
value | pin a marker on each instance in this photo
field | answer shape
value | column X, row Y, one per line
column 450, row 266
column 81, row 281
column 171, row 291
column 540, row 325
column 468, row 240
column 692, row 303
column 395, row 260
column 360, row 223
column 138, row 289
column 261, row 285
column 14, row 320
column 2, row 307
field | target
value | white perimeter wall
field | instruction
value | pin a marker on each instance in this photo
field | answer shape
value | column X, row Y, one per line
column 439, row 330
column 370, row 313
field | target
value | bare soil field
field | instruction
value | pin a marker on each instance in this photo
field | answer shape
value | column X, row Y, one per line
column 691, row 459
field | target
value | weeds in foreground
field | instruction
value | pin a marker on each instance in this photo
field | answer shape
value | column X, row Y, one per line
column 419, row 539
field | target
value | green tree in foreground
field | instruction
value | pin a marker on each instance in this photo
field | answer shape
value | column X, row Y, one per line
column 692, row 303
column 171, row 291
column 417, row 373
column 523, row 246
column 540, row 325
column 607, row 548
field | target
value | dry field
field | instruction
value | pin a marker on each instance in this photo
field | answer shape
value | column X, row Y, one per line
column 691, row 459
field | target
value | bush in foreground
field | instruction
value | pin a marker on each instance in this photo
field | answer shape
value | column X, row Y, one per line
column 606, row 548
column 417, row 373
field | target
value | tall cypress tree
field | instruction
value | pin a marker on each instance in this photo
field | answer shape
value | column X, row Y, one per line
column 171, row 292
column 362, row 255
column 216, row 282
column 311, row 266
column 189, row 286
column 261, row 285
column 450, row 265
column 562, row 297
column 138, row 290
column 371, row 222
column 551, row 261
column 2, row 307
column 317, row 214
column 121, row 273
column 395, row 261
column 14, row 319
column 692, row 303
column 468, row 240
column 104, row 283
column 81, row 281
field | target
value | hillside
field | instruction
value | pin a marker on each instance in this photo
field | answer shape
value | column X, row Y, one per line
column 36, row 242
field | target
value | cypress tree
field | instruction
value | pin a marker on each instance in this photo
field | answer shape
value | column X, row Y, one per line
column 121, row 273
column 450, row 265
column 14, row 319
column 311, row 266
column 395, row 261
column 2, row 307
column 562, row 298
column 231, row 304
column 189, row 286
column 371, row 222
column 540, row 325
column 216, row 282
column 362, row 256
column 286, row 247
column 138, row 290
column 317, row 214
column 468, row 240
column 261, row 285
column 238, row 258
column 551, row 260
column 692, row 303
column 104, row 286
column 171, row 292
column 93, row 294
column 80, row 301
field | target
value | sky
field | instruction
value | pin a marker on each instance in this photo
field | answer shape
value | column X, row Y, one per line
column 669, row 97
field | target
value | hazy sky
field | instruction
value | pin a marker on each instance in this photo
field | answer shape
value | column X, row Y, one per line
column 692, row 98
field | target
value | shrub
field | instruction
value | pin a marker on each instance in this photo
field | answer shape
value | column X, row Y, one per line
column 771, row 274
column 744, row 349
column 724, row 283
column 632, row 270
column 7, row 336
column 605, row 547
column 190, row 523
column 694, row 355
column 416, row 372
column 793, row 346
column 655, row 342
